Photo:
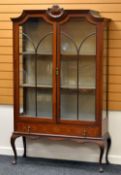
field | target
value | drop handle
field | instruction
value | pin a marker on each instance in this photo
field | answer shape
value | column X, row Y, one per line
column 28, row 129
column 84, row 133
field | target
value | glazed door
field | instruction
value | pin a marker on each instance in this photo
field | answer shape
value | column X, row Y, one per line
column 77, row 70
column 36, row 76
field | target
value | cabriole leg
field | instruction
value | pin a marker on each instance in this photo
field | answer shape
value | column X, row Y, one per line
column 24, row 145
column 108, row 148
column 13, row 138
column 101, row 157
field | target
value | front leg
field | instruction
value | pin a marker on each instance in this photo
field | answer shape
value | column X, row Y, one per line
column 108, row 148
column 13, row 138
column 102, row 146
column 24, row 144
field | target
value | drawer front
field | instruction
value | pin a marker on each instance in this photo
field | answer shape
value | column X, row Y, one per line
column 58, row 129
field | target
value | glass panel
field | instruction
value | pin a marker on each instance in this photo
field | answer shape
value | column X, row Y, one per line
column 29, row 106
column 44, row 61
column 87, row 72
column 68, row 79
column 44, row 76
column 44, row 103
column 68, row 106
column 87, row 107
column 29, row 70
column 36, row 40
column 78, row 70
column 87, row 77
column 68, row 73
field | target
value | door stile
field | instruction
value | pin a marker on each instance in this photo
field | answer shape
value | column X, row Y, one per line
column 16, row 70
column 54, row 71
column 58, row 76
column 99, row 73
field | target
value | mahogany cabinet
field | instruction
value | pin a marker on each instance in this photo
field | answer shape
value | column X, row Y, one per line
column 61, row 76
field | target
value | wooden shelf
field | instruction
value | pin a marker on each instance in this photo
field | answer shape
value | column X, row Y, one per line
column 33, row 54
column 27, row 53
column 71, row 56
column 38, row 86
column 42, row 115
column 81, row 90
column 63, row 88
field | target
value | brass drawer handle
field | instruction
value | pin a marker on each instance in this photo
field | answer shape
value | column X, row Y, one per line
column 28, row 129
column 84, row 132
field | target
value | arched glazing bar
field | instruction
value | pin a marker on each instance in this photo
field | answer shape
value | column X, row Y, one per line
column 29, row 39
column 44, row 37
column 93, row 34
column 84, row 39
column 69, row 40
column 78, row 48
column 37, row 48
column 35, row 60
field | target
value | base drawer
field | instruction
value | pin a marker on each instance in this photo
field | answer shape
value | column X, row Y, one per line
column 59, row 129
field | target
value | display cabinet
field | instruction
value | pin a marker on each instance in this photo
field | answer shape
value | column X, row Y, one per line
column 61, row 76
